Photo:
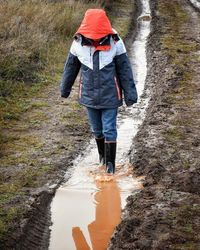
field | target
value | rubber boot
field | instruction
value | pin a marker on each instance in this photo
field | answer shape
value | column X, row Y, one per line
column 101, row 149
column 110, row 155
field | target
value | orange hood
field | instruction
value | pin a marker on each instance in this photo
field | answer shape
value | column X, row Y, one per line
column 95, row 24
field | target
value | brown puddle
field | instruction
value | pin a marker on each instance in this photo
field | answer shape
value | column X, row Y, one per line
column 86, row 219
column 107, row 216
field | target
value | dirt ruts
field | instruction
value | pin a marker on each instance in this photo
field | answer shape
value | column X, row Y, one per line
column 166, row 213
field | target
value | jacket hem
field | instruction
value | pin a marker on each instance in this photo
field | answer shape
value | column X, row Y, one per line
column 101, row 106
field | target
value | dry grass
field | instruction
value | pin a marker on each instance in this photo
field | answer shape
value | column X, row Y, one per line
column 120, row 13
column 34, row 39
column 31, row 30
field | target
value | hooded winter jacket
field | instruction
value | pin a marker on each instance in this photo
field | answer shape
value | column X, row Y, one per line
column 106, row 75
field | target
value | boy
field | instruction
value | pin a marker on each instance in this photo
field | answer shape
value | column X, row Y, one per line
column 106, row 75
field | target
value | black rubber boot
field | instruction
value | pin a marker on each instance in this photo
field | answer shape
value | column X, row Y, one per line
column 110, row 155
column 101, row 149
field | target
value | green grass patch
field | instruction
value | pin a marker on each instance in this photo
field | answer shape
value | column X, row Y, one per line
column 8, row 215
column 174, row 133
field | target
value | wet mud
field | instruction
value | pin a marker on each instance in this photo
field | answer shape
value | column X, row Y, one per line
column 166, row 213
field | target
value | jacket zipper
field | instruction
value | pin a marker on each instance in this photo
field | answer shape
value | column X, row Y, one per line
column 117, row 88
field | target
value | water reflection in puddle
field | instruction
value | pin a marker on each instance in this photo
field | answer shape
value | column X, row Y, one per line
column 86, row 211
column 107, row 216
column 85, row 219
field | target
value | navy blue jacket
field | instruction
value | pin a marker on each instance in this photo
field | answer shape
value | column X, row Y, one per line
column 106, row 76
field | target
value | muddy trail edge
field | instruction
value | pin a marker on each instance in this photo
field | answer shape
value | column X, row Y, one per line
column 166, row 213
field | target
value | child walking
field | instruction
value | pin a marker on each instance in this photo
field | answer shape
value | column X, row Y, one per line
column 106, row 79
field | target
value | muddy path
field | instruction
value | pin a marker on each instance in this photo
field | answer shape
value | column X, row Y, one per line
column 166, row 213
column 91, row 201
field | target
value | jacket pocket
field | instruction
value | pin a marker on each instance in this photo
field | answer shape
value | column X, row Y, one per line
column 117, row 89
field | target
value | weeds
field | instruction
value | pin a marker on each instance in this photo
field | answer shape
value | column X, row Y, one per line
column 179, row 51
column 7, row 215
column 29, row 34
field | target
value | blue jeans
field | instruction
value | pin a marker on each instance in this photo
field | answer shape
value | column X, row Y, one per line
column 103, row 123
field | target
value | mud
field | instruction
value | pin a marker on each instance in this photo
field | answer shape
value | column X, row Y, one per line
column 166, row 213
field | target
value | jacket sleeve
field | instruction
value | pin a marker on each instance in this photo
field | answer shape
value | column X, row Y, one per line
column 71, row 69
column 125, row 75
